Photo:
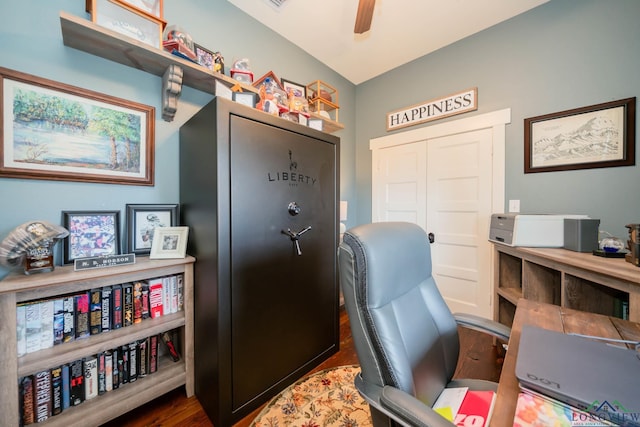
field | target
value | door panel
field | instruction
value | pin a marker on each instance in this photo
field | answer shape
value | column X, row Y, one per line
column 459, row 182
column 398, row 184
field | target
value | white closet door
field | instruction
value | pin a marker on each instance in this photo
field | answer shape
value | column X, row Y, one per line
column 399, row 184
column 459, row 203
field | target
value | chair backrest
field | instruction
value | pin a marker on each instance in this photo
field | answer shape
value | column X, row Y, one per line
column 404, row 333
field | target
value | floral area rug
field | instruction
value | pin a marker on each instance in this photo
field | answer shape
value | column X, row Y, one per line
column 325, row 398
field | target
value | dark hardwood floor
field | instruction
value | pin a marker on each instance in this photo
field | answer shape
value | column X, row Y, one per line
column 479, row 359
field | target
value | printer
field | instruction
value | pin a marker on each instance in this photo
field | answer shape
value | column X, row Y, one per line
column 544, row 230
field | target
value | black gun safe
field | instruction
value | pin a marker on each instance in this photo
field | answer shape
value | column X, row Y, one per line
column 260, row 196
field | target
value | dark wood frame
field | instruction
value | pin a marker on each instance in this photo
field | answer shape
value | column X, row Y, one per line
column 67, row 217
column 627, row 130
column 147, row 128
column 132, row 226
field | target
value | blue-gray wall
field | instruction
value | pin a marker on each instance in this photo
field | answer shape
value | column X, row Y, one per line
column 561, row 55
column 32, row 43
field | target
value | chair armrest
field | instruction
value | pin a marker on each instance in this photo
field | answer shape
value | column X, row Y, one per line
column 400, row 406
column 481, row 324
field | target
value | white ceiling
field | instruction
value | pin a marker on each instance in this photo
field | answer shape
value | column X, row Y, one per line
column 401, row 30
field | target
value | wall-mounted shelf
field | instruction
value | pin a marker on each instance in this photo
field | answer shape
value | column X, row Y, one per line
column 84, row 35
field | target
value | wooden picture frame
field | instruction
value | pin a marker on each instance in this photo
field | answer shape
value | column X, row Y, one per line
column 88, row 137
column 597, row 136
column 270, row 75
column 169, row 242
column 91, row 234
column 123, row 18
column 153, row 8
column 142, row 220
column 298, row 90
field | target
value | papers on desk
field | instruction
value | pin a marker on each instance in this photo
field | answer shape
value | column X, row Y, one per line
column 464, row 407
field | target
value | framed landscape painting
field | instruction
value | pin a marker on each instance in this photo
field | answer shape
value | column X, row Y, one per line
column 55, row 131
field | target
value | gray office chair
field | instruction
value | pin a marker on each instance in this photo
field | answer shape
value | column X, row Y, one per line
column 405, row 336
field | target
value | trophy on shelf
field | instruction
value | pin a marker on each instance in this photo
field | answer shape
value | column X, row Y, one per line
column 31, row 244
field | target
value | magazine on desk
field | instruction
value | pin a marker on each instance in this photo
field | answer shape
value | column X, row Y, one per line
column 537, row 410
column 464, row 407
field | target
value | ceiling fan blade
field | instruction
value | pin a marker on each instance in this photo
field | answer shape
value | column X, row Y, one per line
column 364, row 16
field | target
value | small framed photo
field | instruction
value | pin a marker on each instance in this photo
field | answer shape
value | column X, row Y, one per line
column 205, row 57
column 298, row 90
column 91, row 234
column 246, row 98
column 142, row 220
column 169, row 242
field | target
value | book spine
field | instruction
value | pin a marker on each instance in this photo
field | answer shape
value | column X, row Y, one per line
column 56, row 390
column 77, row 382
column 180, row 281
column 66, row 387
column 137, row 302
column 82, row 315
column 108, row 370
column 133, row 362
column 106, row 308
column 90, row 377
column 143, row 357
column 146, row 313
column 155, row 298
column 21, row 329
column 102, row 374
column 42, row 395
column 174, row 293
column 69, row 333
column 34, row 327
column 46, row 317
column 95, row 311
column 127, row 306
column 116, row 368
column 58, row 321
column 166, row 296
column 116, row 307
column 27, row 400
column 123, row 366
column 153, row 354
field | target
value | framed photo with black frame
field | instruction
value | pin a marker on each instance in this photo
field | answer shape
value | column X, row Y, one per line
column 298, row 90
column 169, row 242
column 596, row 136
column 142, row 220
column 91, row 234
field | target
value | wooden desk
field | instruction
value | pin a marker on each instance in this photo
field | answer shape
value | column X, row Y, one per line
column 555, row 318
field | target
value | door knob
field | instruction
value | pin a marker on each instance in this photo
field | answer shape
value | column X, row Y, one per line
column 432, row 237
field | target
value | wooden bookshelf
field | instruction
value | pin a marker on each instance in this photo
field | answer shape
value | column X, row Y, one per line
column 17, row 288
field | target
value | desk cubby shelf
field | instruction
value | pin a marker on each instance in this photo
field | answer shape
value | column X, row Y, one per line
column 17, row 288
column 581, row 281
